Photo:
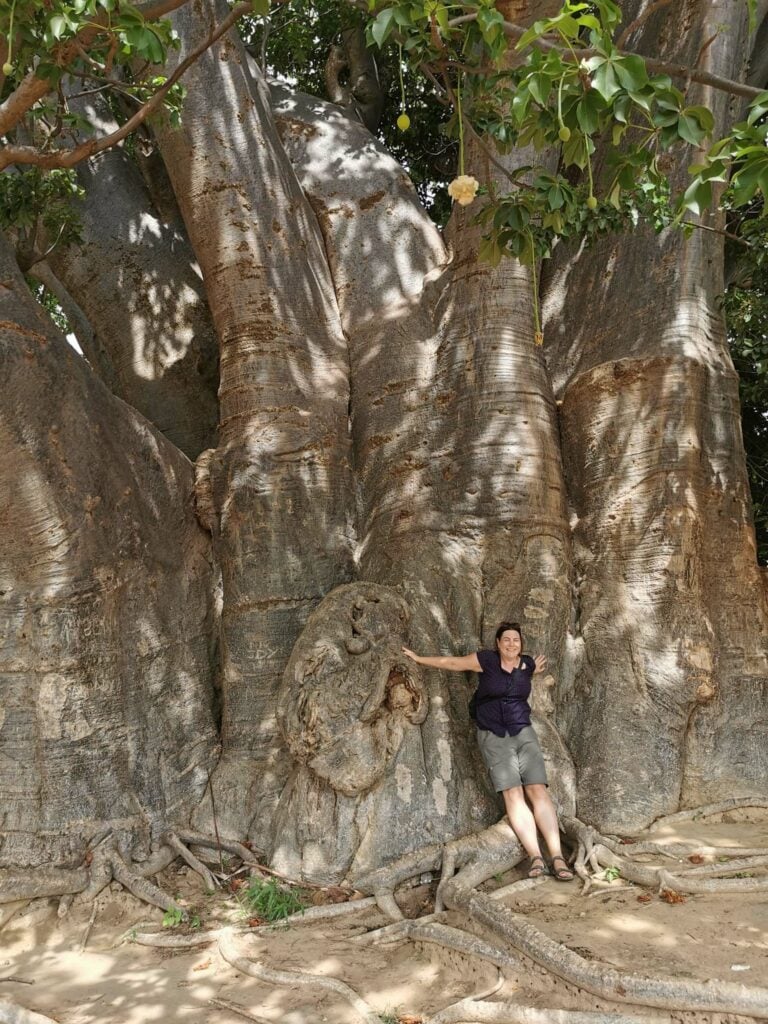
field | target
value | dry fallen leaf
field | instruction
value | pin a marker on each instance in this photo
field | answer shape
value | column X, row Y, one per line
column 409, row 1018
column 670, row 896
column 644, row 897
column 254, row 922
column 696, row 858
column 203, row 966
column 337, row 894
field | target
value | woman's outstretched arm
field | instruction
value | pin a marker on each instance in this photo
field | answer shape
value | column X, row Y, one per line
column 466, row 663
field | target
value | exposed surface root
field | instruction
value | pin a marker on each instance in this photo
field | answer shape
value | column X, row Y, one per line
column 172, row 840
column 312, row 915
column 731, row 868
column 508, row 1013
column 41, row 882
column 12, row 1013
column 658, row 878
column 708, row 809
column 391, row 932
column 600, row 979
column 226, row 1004
column 141, row 887
column 294, row 979
column 212, row 843
column 463, row 942
column 388, row 906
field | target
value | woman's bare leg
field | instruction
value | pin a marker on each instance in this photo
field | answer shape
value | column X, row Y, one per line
column 522, row 820
column 545, row 817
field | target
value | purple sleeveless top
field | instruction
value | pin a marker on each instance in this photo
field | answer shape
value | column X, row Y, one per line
column 510, row 713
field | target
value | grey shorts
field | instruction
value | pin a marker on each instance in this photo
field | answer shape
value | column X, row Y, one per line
column 512, row 760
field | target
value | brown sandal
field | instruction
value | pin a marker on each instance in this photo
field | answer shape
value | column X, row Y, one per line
column 537, row 867
column 563, row 874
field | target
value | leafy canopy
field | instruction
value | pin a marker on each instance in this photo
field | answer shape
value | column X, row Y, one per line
column 565, row 82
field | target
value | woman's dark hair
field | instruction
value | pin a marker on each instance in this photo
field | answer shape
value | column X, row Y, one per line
column 504, row 627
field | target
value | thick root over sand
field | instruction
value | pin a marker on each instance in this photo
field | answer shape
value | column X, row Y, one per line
column 477, row 859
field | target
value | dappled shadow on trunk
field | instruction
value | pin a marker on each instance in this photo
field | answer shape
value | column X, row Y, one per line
column 278, row 488
column 106, row 590
column 136, row 281
column 670, row 608
column 454, row 440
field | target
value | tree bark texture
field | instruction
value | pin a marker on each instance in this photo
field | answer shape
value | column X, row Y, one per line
column 106, row 609
column 446, row 383
column 396, row 462
column 670, row 657
column 278, row 487
column 136, row 280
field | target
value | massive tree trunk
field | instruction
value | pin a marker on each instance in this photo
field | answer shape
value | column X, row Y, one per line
column 446, row 382
column 396, row 463
column 106, row 598
column 278, row 490
column 672, row 618
column 135, row 280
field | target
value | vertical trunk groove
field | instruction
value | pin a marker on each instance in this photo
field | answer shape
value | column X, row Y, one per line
column 279, row 486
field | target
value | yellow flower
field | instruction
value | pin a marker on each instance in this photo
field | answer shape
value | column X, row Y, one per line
column 403, row 122
column 463, row 189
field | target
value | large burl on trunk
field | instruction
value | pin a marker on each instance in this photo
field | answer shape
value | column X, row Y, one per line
column 106, row 607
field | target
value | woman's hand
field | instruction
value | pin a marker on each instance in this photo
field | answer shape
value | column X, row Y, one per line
column 410, row 654
column 541, row 663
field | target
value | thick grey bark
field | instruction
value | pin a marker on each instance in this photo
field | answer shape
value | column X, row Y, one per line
column 105, row 606
column 668, row 704
column 456, row 454
column 136, row 280
column 352, row 78
column 278, row 489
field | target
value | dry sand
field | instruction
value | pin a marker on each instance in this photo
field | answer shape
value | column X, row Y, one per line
column 110, row 982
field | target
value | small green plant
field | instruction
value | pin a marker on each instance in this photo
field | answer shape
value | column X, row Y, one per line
column 173, row 917
column 612, row 873
column 388, row 1017
column 271, row 901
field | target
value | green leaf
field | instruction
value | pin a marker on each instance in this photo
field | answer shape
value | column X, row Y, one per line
column 57, row 26
column 758, row 108
column 538, row 28
column 604, row 81
column 539, row 86
column 631, row 73
column 587, row 112
column 703, row 115
column 383, row 26
column 697, row 197
column 688, row 128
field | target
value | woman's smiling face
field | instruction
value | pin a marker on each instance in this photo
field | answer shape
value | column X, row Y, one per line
column 509, row 644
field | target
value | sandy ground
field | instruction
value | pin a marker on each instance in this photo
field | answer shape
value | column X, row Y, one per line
column 114, row 982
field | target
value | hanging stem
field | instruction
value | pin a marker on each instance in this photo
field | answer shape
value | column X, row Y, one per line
column 538, row 334
column 400, row 75
column 461, row 124
column 10, row 33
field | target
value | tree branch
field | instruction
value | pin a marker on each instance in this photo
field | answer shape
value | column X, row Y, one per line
column 652, row 63
column 31, row 89
column 640, row 20
column 30, row 155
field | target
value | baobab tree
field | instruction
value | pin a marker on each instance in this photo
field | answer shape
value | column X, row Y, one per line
column 295, row 383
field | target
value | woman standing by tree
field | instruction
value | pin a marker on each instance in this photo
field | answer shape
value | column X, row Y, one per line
column 508, row 743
